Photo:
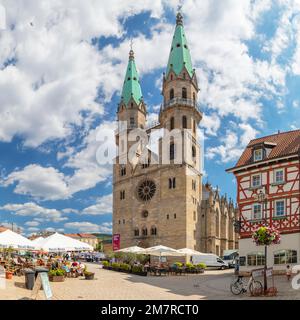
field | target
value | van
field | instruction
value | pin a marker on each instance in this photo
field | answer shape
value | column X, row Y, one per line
column 230, row 256
column 210, row 260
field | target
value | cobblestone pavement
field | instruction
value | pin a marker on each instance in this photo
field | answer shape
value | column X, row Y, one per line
column 109, row 285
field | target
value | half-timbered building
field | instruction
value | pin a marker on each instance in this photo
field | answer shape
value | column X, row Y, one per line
column 268, row 193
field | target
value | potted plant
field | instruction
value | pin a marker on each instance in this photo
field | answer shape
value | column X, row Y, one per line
column 89, row 275
column 138, row 270
column 105, row 264
column 57, row 275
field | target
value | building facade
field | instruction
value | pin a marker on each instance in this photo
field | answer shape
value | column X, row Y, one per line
column 218, row 216
column 157, row 197
column 88, row 238
column 268, row 193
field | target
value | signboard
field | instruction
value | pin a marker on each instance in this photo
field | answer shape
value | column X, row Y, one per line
column 269, row 272
column 116, row 242
column 42, row 281
column 258, row 273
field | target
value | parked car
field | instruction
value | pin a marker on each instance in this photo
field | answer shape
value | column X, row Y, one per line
column 210, row 260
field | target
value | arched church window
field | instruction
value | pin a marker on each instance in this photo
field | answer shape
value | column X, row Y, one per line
column 184, row 122
column 194, row 126
column 136, row 232
column 171, row 94
column 171, row 77
column 172, row 151
column 184, row 93
column 172, row 123
column 184, row 75
column 153, row 231
column 145, row 231
column 194, row 97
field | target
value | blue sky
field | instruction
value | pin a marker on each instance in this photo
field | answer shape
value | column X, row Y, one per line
column 62, row 66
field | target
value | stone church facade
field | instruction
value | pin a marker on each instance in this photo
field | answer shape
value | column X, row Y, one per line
column 156, row 201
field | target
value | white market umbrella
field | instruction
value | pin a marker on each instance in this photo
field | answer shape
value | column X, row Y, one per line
column 10, row 239
column 163, row 251
column 190, row 252
column 134, row 249
column 37, row 241
column 60, row 243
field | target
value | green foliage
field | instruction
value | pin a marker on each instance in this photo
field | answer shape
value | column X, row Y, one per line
column 56, row 272
column 125, row 267
column 190, row 266
column 178, row 264
column 115, row 265
column 105, row 263
column 137, row 269
column 201, row 265
column 141, row 258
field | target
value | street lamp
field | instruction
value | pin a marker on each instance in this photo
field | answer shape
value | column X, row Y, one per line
column 263, row 199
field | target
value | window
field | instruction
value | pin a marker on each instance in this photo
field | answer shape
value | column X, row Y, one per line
column 285, row 256
column 256, row 259
column 145, row 232
column 123, row 171
column 172, row 123
column 122, row 195
column 123, row 221
column 171, row 74
column 194, row 153
column 184, row 122
column 279, row 176
column 131, row 122
column 256, row 181
column 194, row 215
column 153, row 231
column 146, row 165
column 280, row 208
column 194, row 126
column 172, row 151
column 184, row 76
column 136, row 232
column 171, row 94
column 168, row 216
column 172, row 183
column 194, row 184
column 184, row 93
column 194, row 97
column 257, row 211
column 258, row 155
column 175, row 216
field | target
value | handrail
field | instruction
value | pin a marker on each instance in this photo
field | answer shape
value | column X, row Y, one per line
column 182, row 101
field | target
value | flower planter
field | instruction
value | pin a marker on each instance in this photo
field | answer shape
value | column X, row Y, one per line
column 89, row 276
column 56, row 278
column 9, row 275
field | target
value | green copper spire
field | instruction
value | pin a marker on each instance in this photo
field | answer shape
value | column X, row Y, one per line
column 131, row 87
column 180, row 54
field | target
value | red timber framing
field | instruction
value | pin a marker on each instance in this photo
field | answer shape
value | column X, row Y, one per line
column 289, row 191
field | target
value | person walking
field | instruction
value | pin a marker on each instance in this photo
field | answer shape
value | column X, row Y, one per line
column 288, row 272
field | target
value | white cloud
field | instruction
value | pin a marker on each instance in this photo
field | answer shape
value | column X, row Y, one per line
column 39, row 182
column 57, row 71
column 31, row 209
column 232, row 144
column 32, row 223
column 89, row 227
column 211, row 124
column 102, row 207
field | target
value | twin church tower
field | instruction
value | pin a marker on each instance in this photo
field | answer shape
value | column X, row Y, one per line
column 159, row 203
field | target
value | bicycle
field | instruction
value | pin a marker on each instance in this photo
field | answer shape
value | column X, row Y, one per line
column 239, row 286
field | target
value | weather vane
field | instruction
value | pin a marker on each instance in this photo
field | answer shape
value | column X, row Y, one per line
column 179, row 7
column 131, row 44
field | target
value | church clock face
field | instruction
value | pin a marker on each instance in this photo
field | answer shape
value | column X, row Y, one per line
column 146, row 190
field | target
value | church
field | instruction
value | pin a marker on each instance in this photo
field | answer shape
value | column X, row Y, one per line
column 159, row 202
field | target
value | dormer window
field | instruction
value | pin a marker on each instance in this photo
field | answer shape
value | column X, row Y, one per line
column 257, row 155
